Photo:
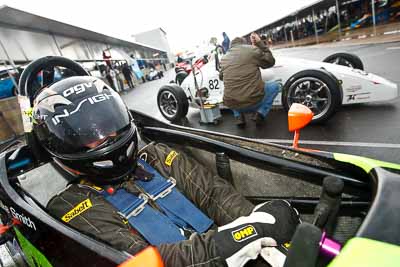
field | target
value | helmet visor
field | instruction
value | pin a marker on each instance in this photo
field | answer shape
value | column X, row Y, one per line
column 87, row 124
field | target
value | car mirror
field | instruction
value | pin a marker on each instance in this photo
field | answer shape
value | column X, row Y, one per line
column 298, row 117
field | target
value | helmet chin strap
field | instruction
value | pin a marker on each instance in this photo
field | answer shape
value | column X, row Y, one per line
column 79, row 174
column 115, row 180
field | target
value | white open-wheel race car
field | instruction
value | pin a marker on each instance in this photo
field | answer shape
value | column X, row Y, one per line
column 322, row 86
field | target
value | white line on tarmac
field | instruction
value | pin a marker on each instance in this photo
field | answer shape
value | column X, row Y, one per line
column 393, row 48
column 391, row 32
column 332, row 143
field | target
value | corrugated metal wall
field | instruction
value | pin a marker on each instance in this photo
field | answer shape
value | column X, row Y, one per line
column 26, row 46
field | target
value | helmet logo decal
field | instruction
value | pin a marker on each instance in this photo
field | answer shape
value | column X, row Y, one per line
column 77, row 89
column 49, row 102
column 92, row 100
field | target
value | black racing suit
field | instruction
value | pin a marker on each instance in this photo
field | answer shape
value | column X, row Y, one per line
column 213, row 195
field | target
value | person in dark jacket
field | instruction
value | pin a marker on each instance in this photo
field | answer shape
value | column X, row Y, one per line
column 226, row 43
column 102, row 154
column 126, row 71
column 244, row 89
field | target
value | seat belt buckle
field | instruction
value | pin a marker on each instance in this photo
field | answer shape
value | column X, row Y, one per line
column 136, row 211
column 165, row 191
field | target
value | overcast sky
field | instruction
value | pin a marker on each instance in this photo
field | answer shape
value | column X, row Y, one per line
column 187, row 22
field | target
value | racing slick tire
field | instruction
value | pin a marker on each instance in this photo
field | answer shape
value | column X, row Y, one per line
column 317, row 89
column 345, row 59
column 172, row 102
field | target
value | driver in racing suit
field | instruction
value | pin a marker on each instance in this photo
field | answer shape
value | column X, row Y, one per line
column 89, row 132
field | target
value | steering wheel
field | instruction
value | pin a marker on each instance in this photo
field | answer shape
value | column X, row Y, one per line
column 28, row 84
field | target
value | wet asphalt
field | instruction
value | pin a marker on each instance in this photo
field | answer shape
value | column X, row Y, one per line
column 371, row 130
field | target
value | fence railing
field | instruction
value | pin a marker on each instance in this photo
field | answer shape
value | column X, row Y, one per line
column 385, row 29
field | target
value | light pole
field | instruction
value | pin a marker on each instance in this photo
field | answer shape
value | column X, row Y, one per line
column 338, row 18
column 373, row 15
column 315, row 26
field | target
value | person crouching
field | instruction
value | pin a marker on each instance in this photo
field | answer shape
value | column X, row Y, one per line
column 245, row 91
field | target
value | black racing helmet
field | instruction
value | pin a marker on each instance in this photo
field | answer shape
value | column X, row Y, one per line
column 87, row 129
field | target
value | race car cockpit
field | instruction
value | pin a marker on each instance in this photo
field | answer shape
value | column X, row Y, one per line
column 344, row 201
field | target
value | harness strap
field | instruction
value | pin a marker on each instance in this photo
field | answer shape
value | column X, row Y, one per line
column 172, row 202
column 155, row 227
column 158, row 227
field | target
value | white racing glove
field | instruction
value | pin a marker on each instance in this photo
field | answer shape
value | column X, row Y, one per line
column 269, row 225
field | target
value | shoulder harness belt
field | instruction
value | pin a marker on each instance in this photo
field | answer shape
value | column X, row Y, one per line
column 154, row 226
